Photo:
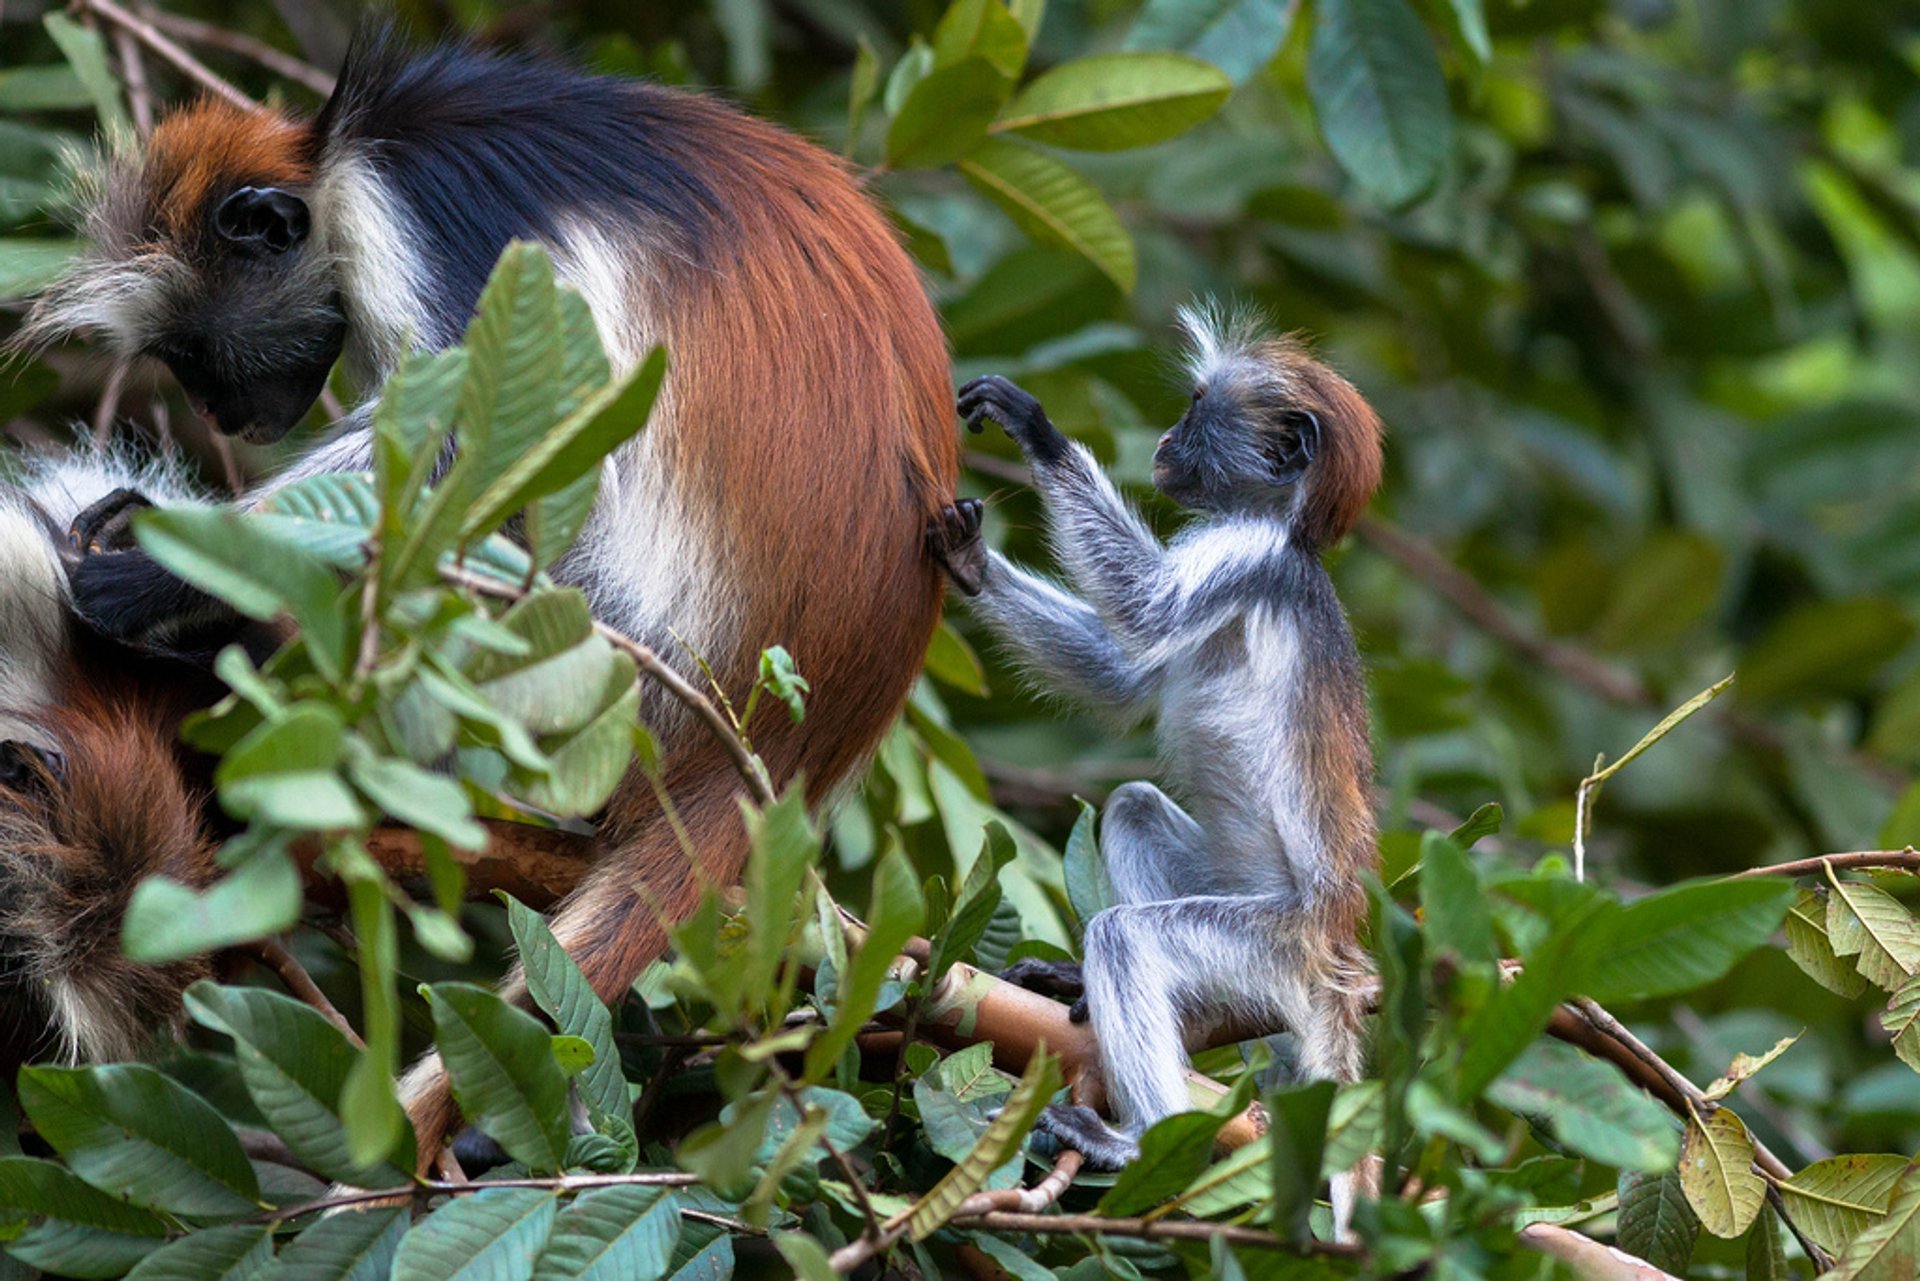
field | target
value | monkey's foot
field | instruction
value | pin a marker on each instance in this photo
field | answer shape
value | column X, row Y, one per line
column 1080, row 1128
column 107, row 526
column 953, row 540
column 1060, row 980
column 28, row 768
column 995, row 398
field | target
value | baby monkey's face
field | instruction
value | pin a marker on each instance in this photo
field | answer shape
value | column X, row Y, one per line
column 1244, row 443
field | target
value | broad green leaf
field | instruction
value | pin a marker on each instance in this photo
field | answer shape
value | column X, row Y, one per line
column 496, row 1234
column 979, row 897
column 1452, row 905
column 1380, row 97
column 950, row 660
column 254, row 569
column 1812, row 951
column 806, row 1256
column 1241, row 1178
column 233, row 1252
column 1835, row 1200
column 1173, row 1152
column 1684, row 937
column 562, row 991
column 142, row 1137
column 1354, row 1124
column 512, row 391
column 946, row 115
column 572, row 448
column 1588, row 1106
column 1716, row 1170
column 167, row 921
column 981, row 29
column 1888, row 1250
column 1829, row 647
column 782, row 847
column 1655, row 1222
column 1507, row 1025
column 1002, row 1139
column 894, row 917
column 1053, row 204
column 1297, row 1135
column 1237, row 36
column 43, row 88
column 1113, row 101
column 1873, row 927
column 28, row 265
column 345, row 1247
column 1483, row 822
column 86, row 52
column 80, row 1230
column 613, row 1234
column 1088, row 889
column 419, row 798
column 1766, row 1255
column 503, row 1071
column 295, row 1064
column 584, row 768
column 723, row 1153
column 1902, row 1021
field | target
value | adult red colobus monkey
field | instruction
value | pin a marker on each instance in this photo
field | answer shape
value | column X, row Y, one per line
column 804, row 436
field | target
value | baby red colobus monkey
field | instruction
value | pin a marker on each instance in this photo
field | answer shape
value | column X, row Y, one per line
column 1245, row 896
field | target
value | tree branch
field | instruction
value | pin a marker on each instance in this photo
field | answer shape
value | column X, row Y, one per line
column 147, row 34
column 281, row 63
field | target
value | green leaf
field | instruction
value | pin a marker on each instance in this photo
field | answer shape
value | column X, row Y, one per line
column 1835, row 1200
column 283, row 772
column 86, row 52
column 1380, row 96
column 572, row 448
column 1684, row 937
column 1053, row 204
column 1243, row 1177
column 1088, row 890
column 47, row 88
column 141, row 1136
column 1508, row 1024
column 419, row 798
column 562, row 991
column 345, row 1247
column 1297, row 1136
column 1716, row 1170
column 1902, row 1021
column 1237, row 36
column 1766, row 1255
column 1482, row 823
column 806, row 1256
column 1173, row 1152
column 1002, row 1139
column 81, row 1231
column 895, row 916
column 613, row 1234
column 233, row 1252
column 1113, row 101
column 981, row 29
column 950, row 660
column 1812, row 951
column 253, row 568
column 979, row 897
column 295, row 1064
column 493, row 1234
column 503, row 1071
column 1872, row 926
column 1453, row 906
column 28, row 265
column 1888, row 1250
column 1655, row 1222
column 1588, row 1106
column 1830, row 647
column 946, row 115
column 167, row 921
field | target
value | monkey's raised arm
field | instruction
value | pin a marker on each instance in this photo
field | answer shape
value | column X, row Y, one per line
column 1061, row 642
column 1107, row 551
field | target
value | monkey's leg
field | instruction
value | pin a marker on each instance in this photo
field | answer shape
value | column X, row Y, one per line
column 1153, row 850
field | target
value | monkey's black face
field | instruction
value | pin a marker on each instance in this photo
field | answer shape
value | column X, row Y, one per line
column 1231, row 451
column 254, row 339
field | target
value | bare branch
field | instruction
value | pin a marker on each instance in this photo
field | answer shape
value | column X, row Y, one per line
column 281, row 63
column 270, row 953
column 1589, row 1259
column 147, row 34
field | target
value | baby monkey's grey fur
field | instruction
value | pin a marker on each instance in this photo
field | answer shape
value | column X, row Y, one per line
column 1248, row 899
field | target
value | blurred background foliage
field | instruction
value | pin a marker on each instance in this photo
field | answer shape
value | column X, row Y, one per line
column 1634, row 284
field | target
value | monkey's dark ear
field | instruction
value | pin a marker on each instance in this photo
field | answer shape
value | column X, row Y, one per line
column 263, row 219
column 1293, row 451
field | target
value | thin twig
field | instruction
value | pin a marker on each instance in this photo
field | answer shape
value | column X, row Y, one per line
column 436, row 1187
column 749, row 766
column 1029, row 1200
column 133, row 73
column 867, row 1211
column 147, row 34
column 275, row 957
column 109, row 406
column 281, row 63
column 1587, row 1258
column 1906, row 860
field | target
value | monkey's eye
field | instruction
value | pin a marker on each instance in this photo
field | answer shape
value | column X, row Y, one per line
column 263, row 219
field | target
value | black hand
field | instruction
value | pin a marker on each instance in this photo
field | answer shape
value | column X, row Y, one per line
column 993, row 397
column 953, row 540
column 107, row 525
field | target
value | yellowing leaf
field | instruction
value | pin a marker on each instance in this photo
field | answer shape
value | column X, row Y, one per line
column 1716, row 1169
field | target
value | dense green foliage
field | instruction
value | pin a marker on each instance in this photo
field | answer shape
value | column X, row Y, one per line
column 1633, row 284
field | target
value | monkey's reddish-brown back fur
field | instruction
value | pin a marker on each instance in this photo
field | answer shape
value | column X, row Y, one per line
column 1347, row 470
